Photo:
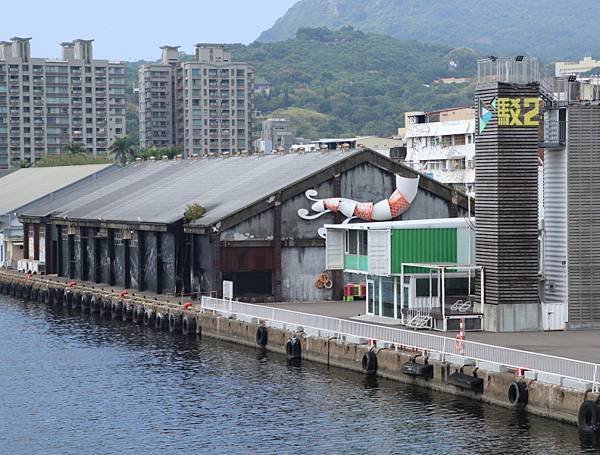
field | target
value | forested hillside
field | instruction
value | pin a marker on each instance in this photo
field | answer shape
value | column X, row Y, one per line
column 546, row 28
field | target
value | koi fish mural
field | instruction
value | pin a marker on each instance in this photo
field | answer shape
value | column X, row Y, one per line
column 385, row 210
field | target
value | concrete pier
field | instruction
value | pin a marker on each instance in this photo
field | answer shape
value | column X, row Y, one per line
column 560, row 401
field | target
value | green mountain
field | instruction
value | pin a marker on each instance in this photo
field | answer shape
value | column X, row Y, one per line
column 545, row 28
column 346, row 82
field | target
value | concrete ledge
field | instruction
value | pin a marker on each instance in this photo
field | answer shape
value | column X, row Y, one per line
column 458, row 360
column 532, row 375
column 492, row 367
column 549, row 378
column 577, row 385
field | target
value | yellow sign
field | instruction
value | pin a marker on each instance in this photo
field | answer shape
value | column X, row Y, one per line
column 517, row 111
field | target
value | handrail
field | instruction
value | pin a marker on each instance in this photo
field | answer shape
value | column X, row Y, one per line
column 508, row 357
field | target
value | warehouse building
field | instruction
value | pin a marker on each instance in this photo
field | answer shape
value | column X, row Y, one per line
column 23, row 187
column 261, row 228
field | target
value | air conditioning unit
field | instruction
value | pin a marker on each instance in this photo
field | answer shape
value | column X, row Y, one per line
column 72, row 229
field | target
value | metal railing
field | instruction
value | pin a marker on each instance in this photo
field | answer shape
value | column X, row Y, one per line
column 444, row 346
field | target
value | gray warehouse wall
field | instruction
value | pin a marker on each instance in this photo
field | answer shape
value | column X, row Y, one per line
column 583, row 205
column 300, row 267
column 202, row 267
column 259, row 227
column 292, row 226
column 168, row 262
column 119, row 265
column 104, row 260
column 150, row 261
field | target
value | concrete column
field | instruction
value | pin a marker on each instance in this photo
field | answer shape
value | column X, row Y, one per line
column 36, row 241
column 126, row 259
column 83, row 259
column 159, row 265
column 97, row 261
column 25, row 240
column 59, row 251
column 140, row 258
column 71, row 255
column 217, row 284
column 111, row 257
column 50, row 259
column 276, row 284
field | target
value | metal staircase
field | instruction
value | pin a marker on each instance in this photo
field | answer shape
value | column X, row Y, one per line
column 419, row 320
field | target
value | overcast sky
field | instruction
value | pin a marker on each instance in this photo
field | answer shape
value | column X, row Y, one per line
column 134, row 29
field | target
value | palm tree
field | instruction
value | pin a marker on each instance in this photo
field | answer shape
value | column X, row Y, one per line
column 75, row 148
column 122, row 149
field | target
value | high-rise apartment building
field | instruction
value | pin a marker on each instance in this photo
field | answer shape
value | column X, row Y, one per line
column 202, row 106
column 47, row 104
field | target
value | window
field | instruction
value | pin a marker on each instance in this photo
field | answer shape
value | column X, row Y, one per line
column 422, row 287
column 459, row 139
column 356, row 242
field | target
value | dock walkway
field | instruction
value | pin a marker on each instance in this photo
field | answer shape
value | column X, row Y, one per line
column 579, row 345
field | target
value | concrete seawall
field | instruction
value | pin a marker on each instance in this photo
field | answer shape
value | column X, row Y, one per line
column 552, row 401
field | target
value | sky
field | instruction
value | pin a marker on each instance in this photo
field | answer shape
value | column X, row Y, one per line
column 135, row 29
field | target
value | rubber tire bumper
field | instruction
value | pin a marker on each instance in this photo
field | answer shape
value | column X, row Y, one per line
column 188, row 325
column 369, row 363
column 161, row 322
column 293, row 349
column 262, row 336
column 174, row 322
column 588, row 417
column 518, row 393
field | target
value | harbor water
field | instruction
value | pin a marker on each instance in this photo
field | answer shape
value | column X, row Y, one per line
column 72, row 382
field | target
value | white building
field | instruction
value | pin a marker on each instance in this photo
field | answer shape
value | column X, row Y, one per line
column 444, row 149
column 46, row 104
column 582, row 66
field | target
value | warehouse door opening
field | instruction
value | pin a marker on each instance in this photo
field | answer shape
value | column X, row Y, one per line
column 250, row 284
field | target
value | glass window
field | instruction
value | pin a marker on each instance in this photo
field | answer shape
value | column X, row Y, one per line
column 387, row 297
column 352, row 243
column 422, row 287
column 362, row 243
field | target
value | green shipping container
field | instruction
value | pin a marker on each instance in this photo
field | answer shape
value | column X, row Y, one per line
column 425, row 246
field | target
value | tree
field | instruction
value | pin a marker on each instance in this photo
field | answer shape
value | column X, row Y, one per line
column 122, row 150
column 74, row 148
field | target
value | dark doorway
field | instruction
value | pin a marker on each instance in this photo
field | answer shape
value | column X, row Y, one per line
column 53, row 260
column 250, row 284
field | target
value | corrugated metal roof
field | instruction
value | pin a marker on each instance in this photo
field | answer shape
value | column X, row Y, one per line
column 159, row 192
column 25, row 185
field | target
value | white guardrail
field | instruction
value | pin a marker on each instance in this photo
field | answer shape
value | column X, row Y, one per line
column 510, row 358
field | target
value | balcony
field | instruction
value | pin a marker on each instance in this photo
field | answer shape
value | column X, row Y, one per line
column 553, row 134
